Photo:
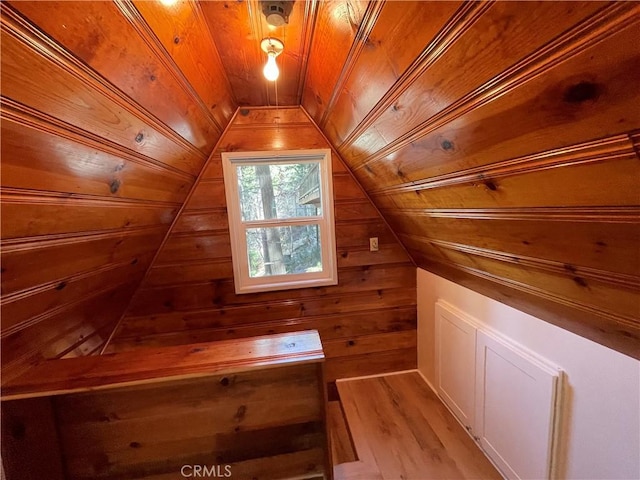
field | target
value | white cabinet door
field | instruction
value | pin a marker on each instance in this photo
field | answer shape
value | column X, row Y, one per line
column 455, row 362
column 515, row 409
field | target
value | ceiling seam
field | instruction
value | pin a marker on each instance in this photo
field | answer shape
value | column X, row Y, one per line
column 365, row 28
column 148, row 36
column 308, row 33
column 365, row 192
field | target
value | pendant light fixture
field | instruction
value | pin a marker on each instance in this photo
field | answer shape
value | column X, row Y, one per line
column 272, row 47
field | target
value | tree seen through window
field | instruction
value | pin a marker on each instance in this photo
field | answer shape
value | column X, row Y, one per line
column 281, row 191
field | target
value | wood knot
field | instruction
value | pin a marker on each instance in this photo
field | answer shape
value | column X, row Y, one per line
column 447, row 145
column 240, row 413
column 491, row 185
column 61, row 286
column 135, row 445
column 18, row 430
column 139, row 137
column 224, row 381
column 244, row 112
column 580, row 281
column 351, row 343
column 114, row 186
column 176, row 40
column 369, row 43
column 581, row 92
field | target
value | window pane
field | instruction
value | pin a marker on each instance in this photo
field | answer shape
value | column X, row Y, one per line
column 284, row 250
column 279, row 191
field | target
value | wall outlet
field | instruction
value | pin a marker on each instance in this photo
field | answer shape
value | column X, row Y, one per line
column 373, row 244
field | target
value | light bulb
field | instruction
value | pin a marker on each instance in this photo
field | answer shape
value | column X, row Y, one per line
column 271, row 70
column 168, row 3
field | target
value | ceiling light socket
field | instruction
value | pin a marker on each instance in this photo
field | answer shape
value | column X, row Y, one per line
column 272, row 45
column 276, row 13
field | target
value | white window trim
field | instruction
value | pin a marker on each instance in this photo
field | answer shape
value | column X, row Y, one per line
column 243, row 282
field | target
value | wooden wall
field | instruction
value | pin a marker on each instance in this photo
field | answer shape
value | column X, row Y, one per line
column 367, row 322
column 501, row 142
column 108, row 115
column 254, row 407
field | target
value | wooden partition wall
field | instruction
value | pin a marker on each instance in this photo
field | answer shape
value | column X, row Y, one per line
column 251, row 408
column 367, row 322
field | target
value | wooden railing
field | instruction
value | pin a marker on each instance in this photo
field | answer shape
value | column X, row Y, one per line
column 309, row 189
column 247, row 408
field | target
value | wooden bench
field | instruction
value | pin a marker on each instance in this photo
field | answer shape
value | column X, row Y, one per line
column 247, row 408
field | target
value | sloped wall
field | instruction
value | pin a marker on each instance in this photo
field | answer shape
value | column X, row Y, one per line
column 105, row 127
column 500, row 141
column 367, row 322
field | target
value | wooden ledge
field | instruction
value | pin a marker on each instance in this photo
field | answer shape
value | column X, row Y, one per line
column 146, row 365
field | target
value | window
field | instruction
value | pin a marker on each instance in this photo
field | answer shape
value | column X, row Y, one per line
column 280, row 207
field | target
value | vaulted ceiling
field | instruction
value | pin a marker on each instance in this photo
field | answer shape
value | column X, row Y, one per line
column 499, row 141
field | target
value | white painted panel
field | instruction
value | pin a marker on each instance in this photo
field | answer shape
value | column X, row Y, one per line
column 515, row 409
column 600, row 427
column 456, row 360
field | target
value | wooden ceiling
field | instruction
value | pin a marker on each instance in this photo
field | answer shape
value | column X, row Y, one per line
column 499, row 140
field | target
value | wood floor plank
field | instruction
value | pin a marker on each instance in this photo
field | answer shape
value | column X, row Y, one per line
column 420, row 399
column 400, row 429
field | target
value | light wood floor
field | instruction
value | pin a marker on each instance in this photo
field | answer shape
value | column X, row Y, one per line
column 400, row 430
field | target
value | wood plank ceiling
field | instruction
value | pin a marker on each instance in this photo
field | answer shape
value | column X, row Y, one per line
column 499, row 140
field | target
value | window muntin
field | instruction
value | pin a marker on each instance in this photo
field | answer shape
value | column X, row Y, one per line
column 280, row 207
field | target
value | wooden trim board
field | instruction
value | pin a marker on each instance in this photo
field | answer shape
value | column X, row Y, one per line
column 145, row 365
